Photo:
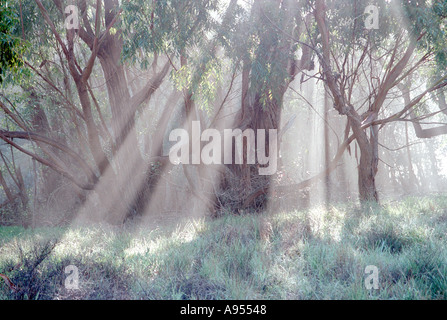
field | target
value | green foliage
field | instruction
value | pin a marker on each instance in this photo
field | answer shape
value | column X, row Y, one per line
column 178, row 28
column 259, row 40
column 164, row 26
column 426, row 18
column 429, row 18
column 10, row 45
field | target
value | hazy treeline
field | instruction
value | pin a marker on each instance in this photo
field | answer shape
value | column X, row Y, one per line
column 349, row 97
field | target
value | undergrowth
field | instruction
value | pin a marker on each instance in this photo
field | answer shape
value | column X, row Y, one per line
column 320, row 253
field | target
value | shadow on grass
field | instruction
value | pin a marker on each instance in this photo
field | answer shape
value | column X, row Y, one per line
column 281, row 256
column 40, row 275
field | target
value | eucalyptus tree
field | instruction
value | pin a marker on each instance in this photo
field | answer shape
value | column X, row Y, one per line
column 363, row 67
column 366, row 52
column 172, row 31
column 259, row 43
column 98, row 157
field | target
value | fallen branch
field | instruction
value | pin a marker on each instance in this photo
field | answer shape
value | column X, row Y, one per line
column 9, row 283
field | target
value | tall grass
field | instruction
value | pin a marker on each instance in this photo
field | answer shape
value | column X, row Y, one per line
column 320, row 253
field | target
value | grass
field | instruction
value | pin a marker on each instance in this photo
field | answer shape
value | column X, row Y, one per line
column 320, row 253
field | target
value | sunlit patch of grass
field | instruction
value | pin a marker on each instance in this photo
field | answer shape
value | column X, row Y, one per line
column 320, row 253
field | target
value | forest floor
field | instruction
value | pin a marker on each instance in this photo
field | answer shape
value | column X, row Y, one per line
column 320, row 253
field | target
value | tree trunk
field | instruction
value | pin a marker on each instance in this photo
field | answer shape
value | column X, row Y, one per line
column 6, row 189
column 262, row 100
column 367, row 170
column 369, row 160
column 327, row 159
column 412, row 176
